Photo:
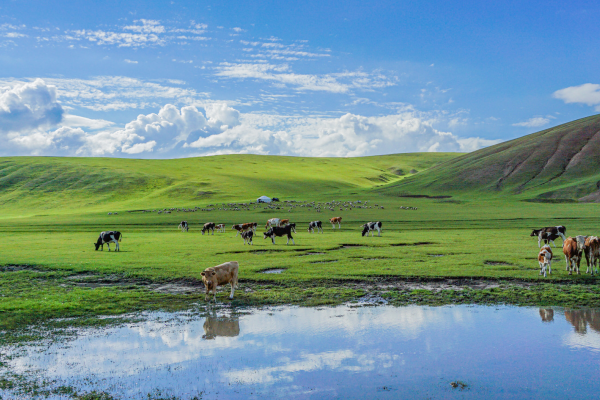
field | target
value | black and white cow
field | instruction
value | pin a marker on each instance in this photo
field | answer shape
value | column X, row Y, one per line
column 247, row 236
column 108, row 237
column 184, row 226
column 315, row 225
column 549, row 234
column 281, row 231
column 209, row 226
column 372, row 227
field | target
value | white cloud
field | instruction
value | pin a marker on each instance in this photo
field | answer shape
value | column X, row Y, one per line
column 77, row 121
column 14, row 35
column 533, row 122
column 147, row 26
column 145, row 34
column 128, row 61
column 588, row 93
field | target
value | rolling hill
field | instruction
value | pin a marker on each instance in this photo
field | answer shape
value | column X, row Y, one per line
column 54, row 185
column 557, row 164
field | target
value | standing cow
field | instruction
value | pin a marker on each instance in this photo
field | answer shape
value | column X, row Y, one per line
column 278, row 231
column 549, row 234
column 184, row 226
column 220, row 275
column 545, row 260
column 315, row 225
column 209, row 226
column 572, row 255
column 372, row 227
column 108, row 237
column 336, row 220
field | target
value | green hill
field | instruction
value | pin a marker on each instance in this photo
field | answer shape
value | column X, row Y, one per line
column 557, row 164
column 51, row 185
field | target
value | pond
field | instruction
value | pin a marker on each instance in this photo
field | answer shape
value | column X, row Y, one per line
column 381, row 352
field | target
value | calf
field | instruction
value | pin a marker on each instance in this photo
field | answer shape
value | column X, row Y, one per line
column 572, row 254
column 372, row 227
column 592, row 253
column 209, row 226
column 280, row 231
column 220, row 275
column 336, row 220
column 549, row 234
column 545, row 260
column 184, row 226
column 220, row 228
column 272, row 222
column 108, row 237
column 247, row 236
column 315, row 225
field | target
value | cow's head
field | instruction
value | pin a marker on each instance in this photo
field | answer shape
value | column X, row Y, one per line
column 209, row 279
column 365, row 229
column 98, row 243
column 203, row 230
column 535, row 232
column 268, row 233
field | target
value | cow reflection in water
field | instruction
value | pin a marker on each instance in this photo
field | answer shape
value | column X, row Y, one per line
column 547, row 314
column 580, row 319
column 221, row 326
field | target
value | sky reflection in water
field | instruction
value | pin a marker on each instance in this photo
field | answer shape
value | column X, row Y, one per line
column 368, row 352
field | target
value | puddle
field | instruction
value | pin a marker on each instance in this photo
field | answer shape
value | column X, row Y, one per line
column 330, row 352
column 323, row 261
column 412, row 244
column 311, row 254
column 436, row 255
column 489, row 262
column 15, row 268
column 272, row 271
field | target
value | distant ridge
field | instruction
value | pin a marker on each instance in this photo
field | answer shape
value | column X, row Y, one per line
column 557, row 164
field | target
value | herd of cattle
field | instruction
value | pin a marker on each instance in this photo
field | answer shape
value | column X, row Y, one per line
column 573, row 249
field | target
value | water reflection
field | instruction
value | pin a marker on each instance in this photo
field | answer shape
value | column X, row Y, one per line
column 220, row 326
column 547, row 314
column 581, row 319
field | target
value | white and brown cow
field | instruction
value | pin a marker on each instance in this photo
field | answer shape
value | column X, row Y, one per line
column 549, row 234
column 184, row 226
column 220, row 275
column 108, row 237
column 220, row 228
column 545, row 260
column 572, row 255
column 336, row 220
column 372, row 227
column 315, row 225
column 592, row 253
column 209, row 226
column 272, row 222
column 240, row 228
column 283, row 222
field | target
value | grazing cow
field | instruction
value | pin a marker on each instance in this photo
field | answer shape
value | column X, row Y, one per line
column 372, row 227
column 592, row 252
column 283, row 222
column 184, row 226
column 281, row 231
column 240, row 228
column 220, row 227
column 549, row 234
column 315, row 225
column 545, row 260
column 108, row 237
column 247, row 236
column 209, row 226
column 336, row 220
column 572, row 255
column 220, row 275
column 272, row 222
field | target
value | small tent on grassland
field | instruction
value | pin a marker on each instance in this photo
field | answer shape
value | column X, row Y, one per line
column 263, row 199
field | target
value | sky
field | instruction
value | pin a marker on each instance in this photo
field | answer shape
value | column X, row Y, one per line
column 167, row 79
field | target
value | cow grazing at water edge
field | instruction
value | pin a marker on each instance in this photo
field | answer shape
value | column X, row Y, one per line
column 108, row 237
column 278, row 231
column 336, row 220
column 315, row 225
column 220, row 275
column 549, row 234
column 372, row 227
column 247, row 236
column 209, row 226
column 184, row 226
column 545, row 260
column 572, row 254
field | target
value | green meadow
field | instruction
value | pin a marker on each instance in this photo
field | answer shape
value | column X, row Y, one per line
column 465, row 248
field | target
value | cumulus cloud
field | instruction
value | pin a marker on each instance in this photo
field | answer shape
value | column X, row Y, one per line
column 588, row 93
column 28, row 106
column 533, row 122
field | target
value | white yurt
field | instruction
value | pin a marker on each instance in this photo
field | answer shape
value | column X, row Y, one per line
column 263, row 199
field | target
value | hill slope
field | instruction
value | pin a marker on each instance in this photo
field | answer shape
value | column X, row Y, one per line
column 34, row 185
column 560, row 163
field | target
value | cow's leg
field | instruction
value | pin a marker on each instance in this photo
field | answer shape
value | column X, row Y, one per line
column 232, row 290
column 108, row 244
column 550, row 266
column 540, row 239
column 213, row 231
column 117, row 244
column 541, row 267
column 379, row 232
column 273, row 239
column 553, row 243
column 568, row 263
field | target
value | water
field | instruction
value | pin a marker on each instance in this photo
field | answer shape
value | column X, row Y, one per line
column 379, row 352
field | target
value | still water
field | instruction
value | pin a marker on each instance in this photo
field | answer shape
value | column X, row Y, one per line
column 345, row 352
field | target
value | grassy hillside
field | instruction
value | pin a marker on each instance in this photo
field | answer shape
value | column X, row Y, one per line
column 556, row 164
column 49, row 185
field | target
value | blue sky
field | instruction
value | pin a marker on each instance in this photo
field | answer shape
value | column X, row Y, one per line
column 168, row 79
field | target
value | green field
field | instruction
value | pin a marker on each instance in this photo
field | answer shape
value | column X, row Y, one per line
column 478, row 246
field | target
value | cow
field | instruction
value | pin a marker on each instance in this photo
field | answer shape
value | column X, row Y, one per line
column 336, row 220
column 184, row 226
column 108, row 237
column 220, row 275
column 283, row 222
column 315, row 225
column 247, row 236
column 372, row 227
column 545, row 260
column 209, row 226
column 572, row 254
column 549, row 234
column 240, row 228
column 220, row 326
column 272, row 222
column 281, row 231
column 254, row 226
column 592, row 253
column 220, row 228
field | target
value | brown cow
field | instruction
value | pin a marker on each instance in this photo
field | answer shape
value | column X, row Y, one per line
column 572, row 254
column 220, row 227
column 241, row 228
column 335, row 220
column 220, row 275
column 592, row 253
column 284, row 222
column 545, row 260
